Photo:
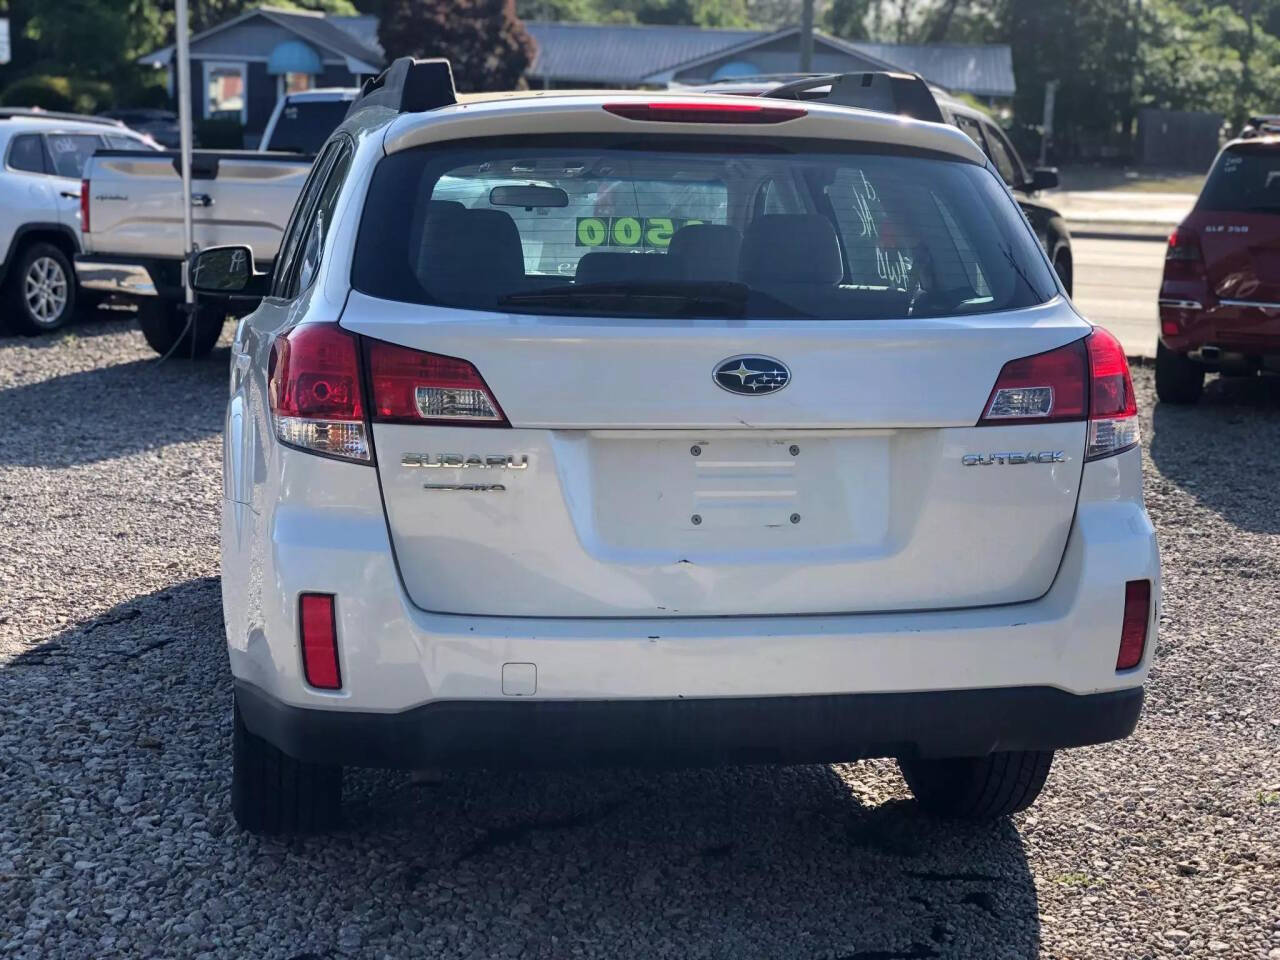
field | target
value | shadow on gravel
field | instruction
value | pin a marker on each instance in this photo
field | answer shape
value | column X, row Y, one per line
column 117, row 839
column 114, row 411
column 1220, row 450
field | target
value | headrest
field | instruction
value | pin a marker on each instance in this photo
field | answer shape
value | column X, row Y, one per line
column 791, row 248
column 603, row 267
column 707, row 251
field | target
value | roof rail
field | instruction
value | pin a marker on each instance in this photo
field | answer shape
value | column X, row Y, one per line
column 905, row 94
column 37, row 113
column 409, row 86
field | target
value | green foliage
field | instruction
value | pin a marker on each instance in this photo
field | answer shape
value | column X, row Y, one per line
column 58, row 93
column 484, row 40
column 848, row 18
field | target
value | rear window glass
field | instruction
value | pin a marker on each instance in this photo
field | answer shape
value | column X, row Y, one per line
column 27, row 153
column 1245, row 179
column 711, row 227
column 303, row 127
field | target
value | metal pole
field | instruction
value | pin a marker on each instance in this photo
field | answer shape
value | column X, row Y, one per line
column 183, row 66
column 1050, row 89
column 806, row 37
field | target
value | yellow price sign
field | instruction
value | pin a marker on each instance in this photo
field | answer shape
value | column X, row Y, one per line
column 629, row 231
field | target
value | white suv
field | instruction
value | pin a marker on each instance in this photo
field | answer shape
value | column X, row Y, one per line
column 790, row 449
column 43, row 156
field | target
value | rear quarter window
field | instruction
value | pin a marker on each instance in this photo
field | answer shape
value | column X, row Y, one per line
column 1244, row 179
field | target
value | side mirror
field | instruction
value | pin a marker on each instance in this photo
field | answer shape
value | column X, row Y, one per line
column 227, row 272
column 1044, row 178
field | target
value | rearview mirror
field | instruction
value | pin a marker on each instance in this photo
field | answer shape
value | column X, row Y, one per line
column 1044, row 178
column 227, row 272
column 528, row 197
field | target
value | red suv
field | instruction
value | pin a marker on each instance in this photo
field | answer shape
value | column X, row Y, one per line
column 1220, row 299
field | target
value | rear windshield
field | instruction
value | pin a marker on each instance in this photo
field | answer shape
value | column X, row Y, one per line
column 1245, row 179
column 675, row 227
column 303, row 127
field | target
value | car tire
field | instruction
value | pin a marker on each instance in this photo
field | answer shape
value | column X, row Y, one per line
column 978, row 788
column 1179, row 379
column 272, row 793
column 1062, row 267
column 41, row 294
column 164, row 326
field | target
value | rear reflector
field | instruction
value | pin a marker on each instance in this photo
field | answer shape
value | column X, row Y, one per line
column 413, row 386
column 705, row 112
column 314, row 391
column 319, row 634
column 1133, row 630
column 84, row 206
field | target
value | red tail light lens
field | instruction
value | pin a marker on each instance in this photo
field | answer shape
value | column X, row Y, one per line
column 1088, row 378
column 314, row 391
column 1183, row 259
column 412, row 386
column 1133, row 629
column 705, row 112
column 1113, row 408
column 84, row 206
column 318, row 630
column 1043, row 388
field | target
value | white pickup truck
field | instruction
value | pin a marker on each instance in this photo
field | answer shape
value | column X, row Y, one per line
column 132, row 239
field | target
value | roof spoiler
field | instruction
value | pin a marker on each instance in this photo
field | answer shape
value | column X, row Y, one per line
column 409, row 86
column 904, row 94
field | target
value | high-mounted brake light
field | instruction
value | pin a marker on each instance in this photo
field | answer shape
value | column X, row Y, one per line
column 314, row 391
column 318, row 631
column 1086, row 379
column 1133, row 629
column 84, row 206
column 699, row 111
column 413, row 386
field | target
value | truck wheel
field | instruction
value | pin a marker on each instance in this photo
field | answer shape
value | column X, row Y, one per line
column 164, row 325
column 1179, row 379
column 978, row 788
column 41, row 290
column 272, row 793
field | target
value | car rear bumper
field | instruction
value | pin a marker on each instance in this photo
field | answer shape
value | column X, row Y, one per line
column 1190, row 320
column 700, row 731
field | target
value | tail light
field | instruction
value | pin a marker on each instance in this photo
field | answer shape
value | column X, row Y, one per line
column 314, row 391
column 318, row 631
column 1087, row 379
column 84, row 206
column 1133, row 629
column 412, row 386
column 1183, row 260
column 705, row 112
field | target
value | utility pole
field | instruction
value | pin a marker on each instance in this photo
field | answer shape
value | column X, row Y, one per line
column 806, row 36
column 183, row 66
column 1050, row 91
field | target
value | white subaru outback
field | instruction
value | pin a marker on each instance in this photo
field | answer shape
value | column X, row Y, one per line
column 696, row 429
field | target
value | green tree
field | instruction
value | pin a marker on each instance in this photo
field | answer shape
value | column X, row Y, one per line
column 484, row 40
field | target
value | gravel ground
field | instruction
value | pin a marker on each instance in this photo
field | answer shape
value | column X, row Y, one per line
column 116, row 838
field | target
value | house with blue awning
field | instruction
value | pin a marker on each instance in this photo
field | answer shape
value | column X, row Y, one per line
column 240, row 67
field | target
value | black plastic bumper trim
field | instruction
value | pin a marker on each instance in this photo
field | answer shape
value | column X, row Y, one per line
column 695, row 731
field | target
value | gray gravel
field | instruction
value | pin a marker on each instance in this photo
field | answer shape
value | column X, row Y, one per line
column 116, row 838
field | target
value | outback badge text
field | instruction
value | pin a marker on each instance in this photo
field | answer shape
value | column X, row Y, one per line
column 1011, row 457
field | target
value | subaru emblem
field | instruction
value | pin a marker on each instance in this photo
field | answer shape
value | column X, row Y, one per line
column 752, row 375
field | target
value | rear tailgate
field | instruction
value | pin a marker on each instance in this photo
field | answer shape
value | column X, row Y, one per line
column 846, row 491
column 237, row 197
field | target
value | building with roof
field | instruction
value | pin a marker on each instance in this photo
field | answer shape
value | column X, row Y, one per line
column 239, row 68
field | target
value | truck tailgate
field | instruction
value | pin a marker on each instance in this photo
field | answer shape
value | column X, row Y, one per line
column 237, row 197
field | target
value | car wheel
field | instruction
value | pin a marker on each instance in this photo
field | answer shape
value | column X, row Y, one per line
column 165, row 326
column 1179, row 379
column 1062, row 266
column 42, row 290
column 978, row 788
column 272, row 793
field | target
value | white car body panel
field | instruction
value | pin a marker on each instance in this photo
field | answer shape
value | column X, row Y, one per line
column 1029, row 562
